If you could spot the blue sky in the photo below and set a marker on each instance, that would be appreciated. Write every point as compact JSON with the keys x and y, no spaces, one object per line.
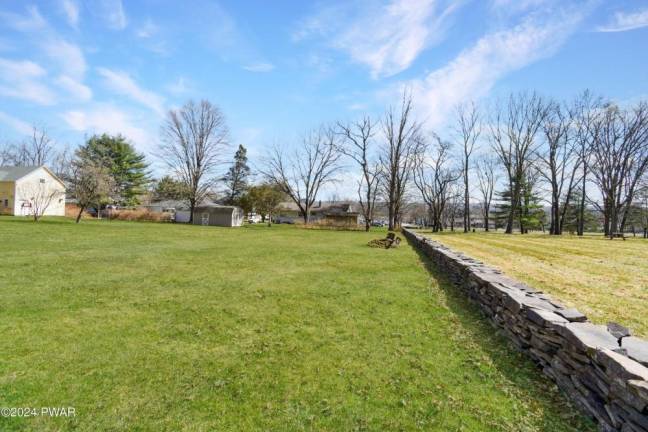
{"x":278,"y":68}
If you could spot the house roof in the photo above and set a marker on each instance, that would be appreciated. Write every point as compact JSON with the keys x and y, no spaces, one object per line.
{"x":14,"y":173}
{"x":323,"y":208}
{"x":176,"y":204}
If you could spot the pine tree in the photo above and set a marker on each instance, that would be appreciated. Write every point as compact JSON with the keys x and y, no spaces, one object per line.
{"x":168,"y":188}
{"x":236,"y":179}
{"x":529,"y":213}
{"x":126,"y":166}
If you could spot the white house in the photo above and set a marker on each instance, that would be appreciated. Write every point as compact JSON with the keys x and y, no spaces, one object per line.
{"x":25,"y":190}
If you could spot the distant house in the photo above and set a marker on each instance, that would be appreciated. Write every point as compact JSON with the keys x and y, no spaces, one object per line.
{"x":334,"y":213}
{"x":24,"y":189}
{"x":218,"y":215}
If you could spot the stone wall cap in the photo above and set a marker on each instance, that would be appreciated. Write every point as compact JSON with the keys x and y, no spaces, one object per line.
{"x":636,"y":348}
{"x":587,"y":336}
{"x":620,"y":365}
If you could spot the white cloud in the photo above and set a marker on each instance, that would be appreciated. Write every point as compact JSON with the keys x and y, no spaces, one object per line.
{"x":71,"y":11}
{"x":31,"y":22}
{"x":21,"y":79}
{"x":107,"y":119}
{"x":68,"y":55}
{"x":357,"y":107}
{"x":514,"y":6}
{"x":178,"y":87}
{"x":122,"y":83}
{"x":147,"y":30}
{"x":16,"y":124}
{"x":474,"y":72}
{"x":75,"y":88}
{"x":385,"y":38}
{"x":259,"y":67}
{"x":112,"y":11}
{"x":626,"y":21}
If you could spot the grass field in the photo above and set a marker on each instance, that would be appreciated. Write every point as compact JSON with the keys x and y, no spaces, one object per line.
{"x":605,"y":279}
{"x":143,"y":326}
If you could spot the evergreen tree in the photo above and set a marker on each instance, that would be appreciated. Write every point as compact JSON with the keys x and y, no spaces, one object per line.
{"x":236,"y":179}
{"x":126,"y":166}
{"x":168,"y":188}
{"x":529,"y":213}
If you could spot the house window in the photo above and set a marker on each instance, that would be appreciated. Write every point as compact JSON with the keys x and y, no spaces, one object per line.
{"x":6,"y":203}
{"x":42,"y":180}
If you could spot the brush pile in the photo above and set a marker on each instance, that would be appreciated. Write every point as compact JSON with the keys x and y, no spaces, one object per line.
{"x":391,"y":241}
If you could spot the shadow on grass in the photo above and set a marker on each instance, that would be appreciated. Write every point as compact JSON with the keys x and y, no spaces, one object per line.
{"x":513,"y":364}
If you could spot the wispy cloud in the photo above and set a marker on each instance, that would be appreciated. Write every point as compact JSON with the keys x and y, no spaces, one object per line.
{"x":147,"y":30}
{"x":22,"y":79}
{"x":68,"y":55}
{"x":474,"y":72}
{"x":32,"y":21}
{"x":112,"y":11}
{"x":107,"y":119}
{"x":624,"y":21}
{"x":386,"y":38}
{"x":71,"y":10}
{"x":15,"y":123}
{"x":122,"y":83}
{"x":74,"y":88}
{"x":259,"y":67}
{"x":178,"y":87}
{"x":66,"y":59}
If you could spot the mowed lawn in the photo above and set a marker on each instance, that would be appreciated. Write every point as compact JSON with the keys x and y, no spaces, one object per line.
{"x":157,"y":327}
{"x":605,"y":279}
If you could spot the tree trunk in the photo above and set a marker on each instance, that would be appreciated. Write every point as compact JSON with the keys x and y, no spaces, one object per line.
{"x":486,"y":219}
{"x":581,"y":207}
{"x":192,"y":207}
{"x":466,"y":200}
{"x":511,"y":215}
{"x":78,"y":218}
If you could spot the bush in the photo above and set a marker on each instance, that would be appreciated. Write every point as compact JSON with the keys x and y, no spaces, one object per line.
{"x":141,"y":215}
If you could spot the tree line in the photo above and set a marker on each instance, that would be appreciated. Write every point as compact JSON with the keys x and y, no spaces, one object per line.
{"x":513,"y":154}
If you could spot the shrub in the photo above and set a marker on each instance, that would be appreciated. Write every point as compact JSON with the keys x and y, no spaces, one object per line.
{"x":141,"y":215}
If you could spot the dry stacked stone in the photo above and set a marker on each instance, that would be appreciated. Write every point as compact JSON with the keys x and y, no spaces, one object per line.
{"x":602,"y":369}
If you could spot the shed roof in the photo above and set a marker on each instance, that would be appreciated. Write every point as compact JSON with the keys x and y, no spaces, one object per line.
{"x":216,"y":207}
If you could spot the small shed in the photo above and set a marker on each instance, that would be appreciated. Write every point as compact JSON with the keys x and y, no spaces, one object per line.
{"x":218,"y":215}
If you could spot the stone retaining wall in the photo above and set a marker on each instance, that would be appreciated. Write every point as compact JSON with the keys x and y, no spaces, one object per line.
{"x":602,"y":369}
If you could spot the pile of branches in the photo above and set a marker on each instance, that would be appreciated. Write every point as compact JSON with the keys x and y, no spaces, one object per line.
{"x":391,"y":241}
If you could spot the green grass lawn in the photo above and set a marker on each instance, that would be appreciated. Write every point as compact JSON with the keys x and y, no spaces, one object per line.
{"x":605,"y":279}
{"x":157,"y":327}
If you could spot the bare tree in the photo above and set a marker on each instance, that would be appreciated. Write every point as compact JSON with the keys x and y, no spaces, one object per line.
{"x":558,"y":160}
{"x":358,"y":140}
{"x":302,"y":174}
{"x":487,"y":178}
{"x":90,"y":183}
{"x":61,"y":164}
{"x":433,"y":178}
{"x":586,"y":109}
{"x":36,"y":150}
{"x":6,"y":155}
{"x":195,"y":137}
{"x":620,"y":155}
{"x":398,"y":156}
{"x":468,"y":130}
{"x":513,"y":138}
{"x":41,"y":196}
